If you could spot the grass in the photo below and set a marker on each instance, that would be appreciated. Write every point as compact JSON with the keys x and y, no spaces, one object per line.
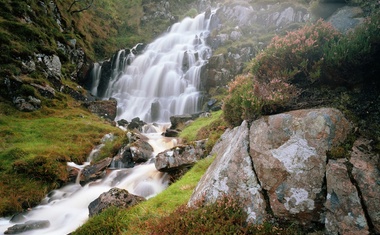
{"x":132,"y":220}
{"x":36,"y":146}
{"x":210,"y":128}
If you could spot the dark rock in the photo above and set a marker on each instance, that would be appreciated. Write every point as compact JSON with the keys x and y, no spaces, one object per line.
{"x":114,"y":197}
{"x":179,"y":119}
{"x":94,"y":172}
{"x":27,"y":226}
{"x":29,"y":104}
{"x":171,"y":133}
{"x":136,"y":123}
{"x":141,"y":151}
{"x":178,"y":157}
{"x":123,"y":159}
{"x":123,"y":123}
{"x":104,"y":108}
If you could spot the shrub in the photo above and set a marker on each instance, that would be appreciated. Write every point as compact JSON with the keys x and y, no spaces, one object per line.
{"x":279,"y":72}
{"x":225,"y":216}
{"x":241,"y":102}
{"x":353,"y":52}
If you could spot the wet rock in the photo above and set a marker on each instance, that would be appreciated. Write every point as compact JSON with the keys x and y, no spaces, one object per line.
{"x":28,"y":226}
{"x":367,"y":176}
{"x":179,"y":119}
{"x":136,"y":123}
{"x":114,"y":197}
{"x":231,"y":174}
{"x":177,"y":158}
{"x":141,"y":151}
{"x":104,"y":108}
{"x":123,"y":159}
{"x":171,"y":133}
{"x":289,"y":156}
{"x":94,"y":172}
{"x":344,"y":213}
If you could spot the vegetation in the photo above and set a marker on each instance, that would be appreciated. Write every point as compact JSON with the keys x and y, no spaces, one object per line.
{"x":36,"y":147}
{"x":315,"y":55}
{"x":210,"y":128}
{"x":132,"y":221}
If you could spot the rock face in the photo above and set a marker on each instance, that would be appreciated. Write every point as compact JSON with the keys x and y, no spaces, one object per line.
{"x":342,"y":202}
{"x":366,"y":174}
{"x":346,"y":18}
{"x":114,"y":197}
{"x":231,"y":173}
{"x":289,"y":155}
{"x":279,"y":167}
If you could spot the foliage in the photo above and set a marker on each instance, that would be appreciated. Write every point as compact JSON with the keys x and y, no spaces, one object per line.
{"x":241,"y":102}
{"x":36,"y":147}
{"x":353,"y":52}
{"x":225,"y":216}
{"x":133,"y":220}
{"x":296,"y":58}
{"x":210,"y":128}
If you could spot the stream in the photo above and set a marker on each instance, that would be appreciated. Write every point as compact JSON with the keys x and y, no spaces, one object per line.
{"x":161,"y":82}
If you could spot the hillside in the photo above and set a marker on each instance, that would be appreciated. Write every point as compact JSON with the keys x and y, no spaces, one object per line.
{"x":268,"y":57}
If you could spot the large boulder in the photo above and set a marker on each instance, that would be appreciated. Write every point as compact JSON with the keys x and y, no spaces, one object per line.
{"x":114,"y":197}
{"x":366,"y":174}
{"x":344,"y":214}
{"x":231,"y":174}
{"x":289,"y":156}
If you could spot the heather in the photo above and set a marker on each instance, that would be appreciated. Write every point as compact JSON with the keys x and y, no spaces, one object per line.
{"x":316,"y":56}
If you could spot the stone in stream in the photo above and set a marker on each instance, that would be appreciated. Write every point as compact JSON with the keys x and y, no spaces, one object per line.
{"x":114,"y":197}
{"x":27,"y":226}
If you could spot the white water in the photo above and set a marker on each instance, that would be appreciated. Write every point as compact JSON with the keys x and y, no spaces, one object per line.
{"x":164,"y":80}
{"x":165,"y":77}
{"x":67,"y":208}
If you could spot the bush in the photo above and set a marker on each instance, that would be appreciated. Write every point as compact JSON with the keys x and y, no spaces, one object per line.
{"x":353,"y":52}
{"x":225,"y":216}
{"x":241,"y":102}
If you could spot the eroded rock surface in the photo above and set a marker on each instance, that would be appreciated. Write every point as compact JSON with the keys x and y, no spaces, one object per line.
{"x":231,"y":174}
{"x":289,"y":156}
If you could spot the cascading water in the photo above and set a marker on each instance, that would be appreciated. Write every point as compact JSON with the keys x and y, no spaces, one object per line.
{"x":165,"y":79}
{"x":161,"y":82}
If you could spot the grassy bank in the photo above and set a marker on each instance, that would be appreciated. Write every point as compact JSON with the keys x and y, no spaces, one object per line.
{"x":36,"y":146}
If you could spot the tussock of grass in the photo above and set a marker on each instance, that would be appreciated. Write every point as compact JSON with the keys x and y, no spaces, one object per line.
{"x":132,"y":221}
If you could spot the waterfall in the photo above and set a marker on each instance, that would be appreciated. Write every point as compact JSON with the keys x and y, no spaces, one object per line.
{"x":164,"y":80}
